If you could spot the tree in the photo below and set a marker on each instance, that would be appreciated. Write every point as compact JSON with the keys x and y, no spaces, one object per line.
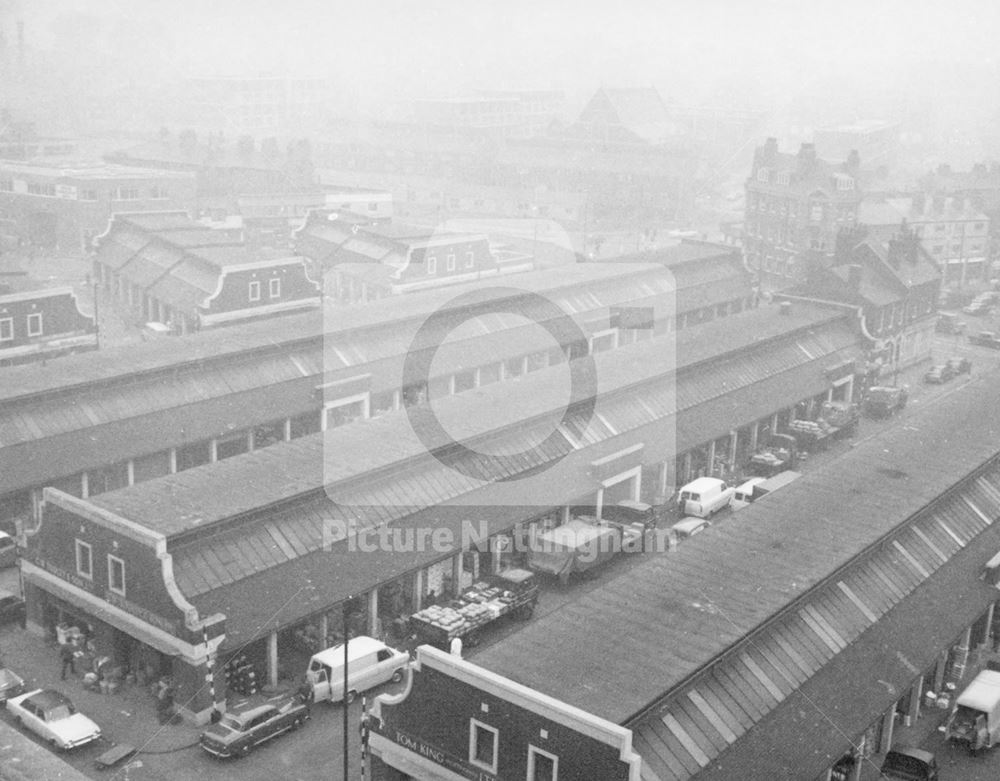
{"x":245,"y":147}
{"x":188,"y":140}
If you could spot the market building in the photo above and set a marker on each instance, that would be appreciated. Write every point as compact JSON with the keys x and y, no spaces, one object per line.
{"x":362,"y":260}
{"x":111,"y":419}
{"x":166,"y":268}
{"x":456,"y":721}
{"x":64,"y":204}
{"x":38,"y":323}
{"x":806,"y":628}
{"x":270,"y":539}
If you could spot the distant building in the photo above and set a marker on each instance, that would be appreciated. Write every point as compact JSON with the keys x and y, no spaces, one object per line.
{"x":980,"y":185}
{"x":38,"y":323}
{"x":796,"y":203}
{"x":457,"y":720}
{"x":62,"y":204}
{"x":876,"y":141}
{"x":624,"y":153}
{"x":951,"y":230}
{"x":365,"y":260}
{"x":169,"y":269}
{"x":893,"y":285}
{"x":264,"y":105}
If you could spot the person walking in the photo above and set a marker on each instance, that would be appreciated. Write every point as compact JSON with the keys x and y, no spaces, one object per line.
{"x":67,"y":652}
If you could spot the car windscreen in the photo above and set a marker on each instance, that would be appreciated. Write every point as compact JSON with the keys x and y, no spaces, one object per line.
{"x":59,"y":712}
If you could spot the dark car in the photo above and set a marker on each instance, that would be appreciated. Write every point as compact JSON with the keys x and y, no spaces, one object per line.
{"x":238,"y":733}
{"x":11,"y":609}
{"x":939,"y":374}
{"x":910,"y":764}
{"x":985,"y":339}
{"x":960,"y":365}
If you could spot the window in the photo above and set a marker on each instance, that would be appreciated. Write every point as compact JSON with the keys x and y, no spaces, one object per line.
{"x":482,"y":745}
{"x":470,"y":259}
{"x":451,"y":262}
{"x":6,"y":185}
{"x":372,"y":206}
{"x":432,"y":264}
{"x":116,"y":575}
{"x":816,"y":212}
{"x":762,"y":175}
{"x":48,"y":190}
{"x":88,"y":195}
{"x":274,"y":288}
{"x":6,"y":329}
{"x":254,"y":291}
{"x":784,"y":178}
{"x":126,"y":194}
{"x":84,"y":559}
{"x":979,"y":225}
{"x":158,"y":193}
{"x":35,"y":324}
{"x":845,"y":183}
{"x":542,"y":766}
{"x":341,"y":413}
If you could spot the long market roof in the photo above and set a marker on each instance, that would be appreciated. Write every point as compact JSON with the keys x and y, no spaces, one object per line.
{"x":675,"y":617}
{"x":761,"y":346}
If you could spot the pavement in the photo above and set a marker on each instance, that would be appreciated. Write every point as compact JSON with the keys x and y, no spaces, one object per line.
{"x":127,"y":716}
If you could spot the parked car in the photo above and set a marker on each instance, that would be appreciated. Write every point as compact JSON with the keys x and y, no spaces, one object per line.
{"x":960,"y":365}
{"x":688,"y":527}
{"x":978,"y":308}
{"x":882,"y":401}
{"x":370,"y":663}
{"x":910,"y":764}
{"x":939,"y":374}
{"x":12,"y":610}
{"x":11,"y":684}
{"x":51,"y":716}
{"x":239,"y":733}
{"x":985,"y":339}
{"x":949,"y":323}
{"x":8,"y":550}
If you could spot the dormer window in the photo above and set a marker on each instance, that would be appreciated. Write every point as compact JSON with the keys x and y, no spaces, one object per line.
{"x":845,"y":182}
{"x":784,"y":178}
{"x":763,"y":175}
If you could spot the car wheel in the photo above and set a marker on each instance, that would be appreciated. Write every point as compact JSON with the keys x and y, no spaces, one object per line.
{"x":244,"y":750}
{"x":297,"y":723}
{"x":397,"y":676}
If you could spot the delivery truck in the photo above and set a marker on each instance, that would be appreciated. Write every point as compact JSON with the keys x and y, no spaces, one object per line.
{"x":975,"y":718}
{"x":579,"y":545}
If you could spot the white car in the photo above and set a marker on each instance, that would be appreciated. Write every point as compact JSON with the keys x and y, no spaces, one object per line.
{"x":52,"y":716}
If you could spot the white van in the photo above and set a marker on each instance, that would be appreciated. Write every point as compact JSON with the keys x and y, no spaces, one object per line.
{"x":744,"y":493}
{"x":370,"y":662}
{"x":704,"y":497}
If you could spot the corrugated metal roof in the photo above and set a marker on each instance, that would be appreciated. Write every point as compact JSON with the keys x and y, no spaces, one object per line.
{"x":363,"y":446}
{"x":681,"y":611}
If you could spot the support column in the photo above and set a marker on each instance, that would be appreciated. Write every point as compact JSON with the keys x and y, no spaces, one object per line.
{"x":84,"y":485}
{"x":774,"y":423}
{"x":711,"y":457}
{"x":173,"y":460}
{"x":456,"y":575}
{"x":734,"y":437}
{"x":754,"y":433}
{"x":130,"y":470}
{"x":962,"y":654}
{"x":494,"y":556}
{"x":988,"y":639}
{"x":939,"y":671}
{"x":213,"y":450}
{"x":600,"y":501}
{"x":373,"y":621}
{"x":687,"y":468}
{"x":859,"y":755}
{"x":564,"y":515}
{"x":250,"y":440}
{"x":418,"y":590}
{"x":913,"y":712}
{"x":888,"y":721}
{"x":272,"y":659}
{"x":286,"y":432}
{"x":324,"y":630}
{"x":662,"y":480}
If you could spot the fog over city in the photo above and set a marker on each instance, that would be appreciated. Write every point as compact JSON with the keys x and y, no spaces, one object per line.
{"x":931,"y":65}
{"x":509,"y":390}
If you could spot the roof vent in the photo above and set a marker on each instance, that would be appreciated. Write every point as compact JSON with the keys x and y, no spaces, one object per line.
{"x":785,"y":307}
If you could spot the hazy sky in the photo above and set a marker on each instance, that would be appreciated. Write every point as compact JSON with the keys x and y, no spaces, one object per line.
{"x":690,"y":48}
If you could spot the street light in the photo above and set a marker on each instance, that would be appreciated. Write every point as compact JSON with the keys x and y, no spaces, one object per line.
{"x":349,"y":607}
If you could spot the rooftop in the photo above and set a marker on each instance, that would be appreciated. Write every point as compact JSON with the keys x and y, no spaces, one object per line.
{"x":86,"y":169}
{"x":673,"y":615}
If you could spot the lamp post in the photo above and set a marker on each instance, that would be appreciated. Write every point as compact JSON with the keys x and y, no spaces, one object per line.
{"x":346,"y":612}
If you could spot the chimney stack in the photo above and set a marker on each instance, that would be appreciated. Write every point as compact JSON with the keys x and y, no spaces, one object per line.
{"x":853,"y":162}
{"x":918,"y":204}
{"x":807,"y":158}
{"x":785,"y":308}
{"x":769,"y":150}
